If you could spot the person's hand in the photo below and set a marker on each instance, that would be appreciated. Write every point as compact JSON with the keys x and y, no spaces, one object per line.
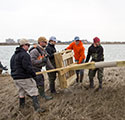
{"x":44,"y":59}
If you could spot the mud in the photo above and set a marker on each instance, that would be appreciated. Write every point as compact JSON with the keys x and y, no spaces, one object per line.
{"x":74,"y":103}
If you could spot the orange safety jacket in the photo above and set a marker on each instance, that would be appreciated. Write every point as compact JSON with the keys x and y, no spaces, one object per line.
{"x":79,"y":51}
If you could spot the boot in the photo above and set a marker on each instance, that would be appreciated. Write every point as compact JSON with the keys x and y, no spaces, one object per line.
{"x":81,"y":78}
{"x":91,"y":83}
{"x":21,"y":102}
{"x":77,"y":77}
{"x":42,"y":93}
{"x":52,"y":87}
{"x":36,"y":105}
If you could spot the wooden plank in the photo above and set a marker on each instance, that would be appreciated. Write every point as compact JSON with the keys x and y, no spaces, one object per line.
{"x":120,"y":63}
{"x":71,"y":80}
{"x":67,"y":56}
{"x":90,"y":65}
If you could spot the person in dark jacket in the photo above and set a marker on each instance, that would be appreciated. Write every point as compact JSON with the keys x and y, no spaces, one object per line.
{"x":22,"y":73}
{"x":96,"y":52}
{"x":51,"y":50}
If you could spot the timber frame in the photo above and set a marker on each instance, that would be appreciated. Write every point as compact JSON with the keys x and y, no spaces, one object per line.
{"x":63,"y":59}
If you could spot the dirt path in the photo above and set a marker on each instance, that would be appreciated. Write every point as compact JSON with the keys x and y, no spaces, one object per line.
{"x":74,"y":103}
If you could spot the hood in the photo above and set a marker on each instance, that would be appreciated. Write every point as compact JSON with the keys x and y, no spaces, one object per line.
{"x":19,"y":49}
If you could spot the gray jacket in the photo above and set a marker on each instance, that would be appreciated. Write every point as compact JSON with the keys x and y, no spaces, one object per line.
{"x":38,"y":64}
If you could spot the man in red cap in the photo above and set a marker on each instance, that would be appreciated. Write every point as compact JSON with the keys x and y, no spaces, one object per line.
{"x":96,"y":52}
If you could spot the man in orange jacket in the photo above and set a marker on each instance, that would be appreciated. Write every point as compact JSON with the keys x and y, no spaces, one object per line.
{"x":79,"y":54}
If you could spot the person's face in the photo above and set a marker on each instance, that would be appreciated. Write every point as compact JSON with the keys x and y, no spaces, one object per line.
{"x":77,"y":42}
{"x":26,"y":46}
{"x":53,"y":42}
{"x":43,"y":43}
{"x":96,"y":44}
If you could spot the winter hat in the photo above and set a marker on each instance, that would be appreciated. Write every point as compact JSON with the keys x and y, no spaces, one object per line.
{"x":76,"y":38}
{"x":53,"y":38}
{"x":96,"y":39}
{"x":23,"y":41}
{"x":42,"y":39}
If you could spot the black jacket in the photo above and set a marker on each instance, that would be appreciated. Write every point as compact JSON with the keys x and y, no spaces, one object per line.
{"x":51,"y":50}
{"x":96,"y":53}
{"x":20,"y":64}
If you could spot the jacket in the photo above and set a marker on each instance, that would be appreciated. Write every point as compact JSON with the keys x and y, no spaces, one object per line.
{"x":79,"y":51}
{"x":20,"y":64}
{"x":96,"y":53}
{"x":37,"y":61}
{"x":51,"y":50}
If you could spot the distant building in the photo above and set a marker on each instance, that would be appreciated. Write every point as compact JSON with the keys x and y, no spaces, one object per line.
{"x":9,"y":40}
{"x":30,"y":40}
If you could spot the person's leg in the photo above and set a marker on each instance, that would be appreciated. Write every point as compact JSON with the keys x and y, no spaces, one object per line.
{"x":100,"y":77}
{"x":40,"y":84}
{"x":91,"y":77}
{"x":52,"y":78}
{"x":77,"y":76}
{"x":32,"y":90}
{"x":81,"y":75}
{"x":21,"y":92}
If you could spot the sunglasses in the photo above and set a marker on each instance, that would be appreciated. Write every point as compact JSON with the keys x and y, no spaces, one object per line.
{"x":28,"y":45}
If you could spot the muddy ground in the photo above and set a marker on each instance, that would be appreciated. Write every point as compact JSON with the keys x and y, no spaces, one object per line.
{"x":74,"y":103}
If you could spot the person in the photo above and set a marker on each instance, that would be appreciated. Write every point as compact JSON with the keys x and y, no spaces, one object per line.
{"x":39,"y":58}
{"x":96,"y":52}
{"x":22,"y":73}
{"x":51,"y":50}
{"x":79,"y":54}
{"x":3,"y":67}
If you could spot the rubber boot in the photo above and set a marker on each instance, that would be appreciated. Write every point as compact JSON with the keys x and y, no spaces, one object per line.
{"x":52,"y":87}
{"x":91,"y":83}
{"x":36,"y":105}
{"x":77,"y":77}
{"x":21,"y":102}
{"x":81,"y":78}
{"x":42,"y":93}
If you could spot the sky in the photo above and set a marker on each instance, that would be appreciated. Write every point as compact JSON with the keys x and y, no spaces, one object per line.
{"x":63,"y":19}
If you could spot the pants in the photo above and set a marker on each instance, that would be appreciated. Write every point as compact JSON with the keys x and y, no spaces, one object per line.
{"x":92,"y":74}
{"x":81,"y":72}
{"x":26,"y":86}
{"x":39,"y":80}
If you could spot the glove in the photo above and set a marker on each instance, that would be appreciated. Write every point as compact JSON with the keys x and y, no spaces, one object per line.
{"x":44,"y":59}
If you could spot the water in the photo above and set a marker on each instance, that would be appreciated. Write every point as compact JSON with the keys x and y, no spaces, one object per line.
{"x":113,"y":52}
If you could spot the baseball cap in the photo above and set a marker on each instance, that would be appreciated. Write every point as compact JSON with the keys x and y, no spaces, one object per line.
{"x":42,"y":39}
{"x":24,"y":41}
{"x":76,"y":38}
{"x":53,"y":38}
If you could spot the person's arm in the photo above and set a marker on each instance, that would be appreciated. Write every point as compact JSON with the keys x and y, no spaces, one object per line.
{"x":26,"y":64}
{"x":34,"y":54}
{"x":70,"y":47}
{"x":50,"y":53}
{"x":100,"y":54}
{"x":49,"y":64}
{"x":88,"y":55}
{"x":82,"y":55}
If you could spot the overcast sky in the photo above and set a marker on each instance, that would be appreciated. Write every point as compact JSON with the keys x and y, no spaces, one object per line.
{"x":64,"y":19}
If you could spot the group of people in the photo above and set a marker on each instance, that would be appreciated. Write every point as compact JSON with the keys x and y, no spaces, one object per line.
{"x":26,"y":62}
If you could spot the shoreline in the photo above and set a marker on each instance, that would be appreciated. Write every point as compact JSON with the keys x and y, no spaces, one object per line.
{"x":103,"y":43}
